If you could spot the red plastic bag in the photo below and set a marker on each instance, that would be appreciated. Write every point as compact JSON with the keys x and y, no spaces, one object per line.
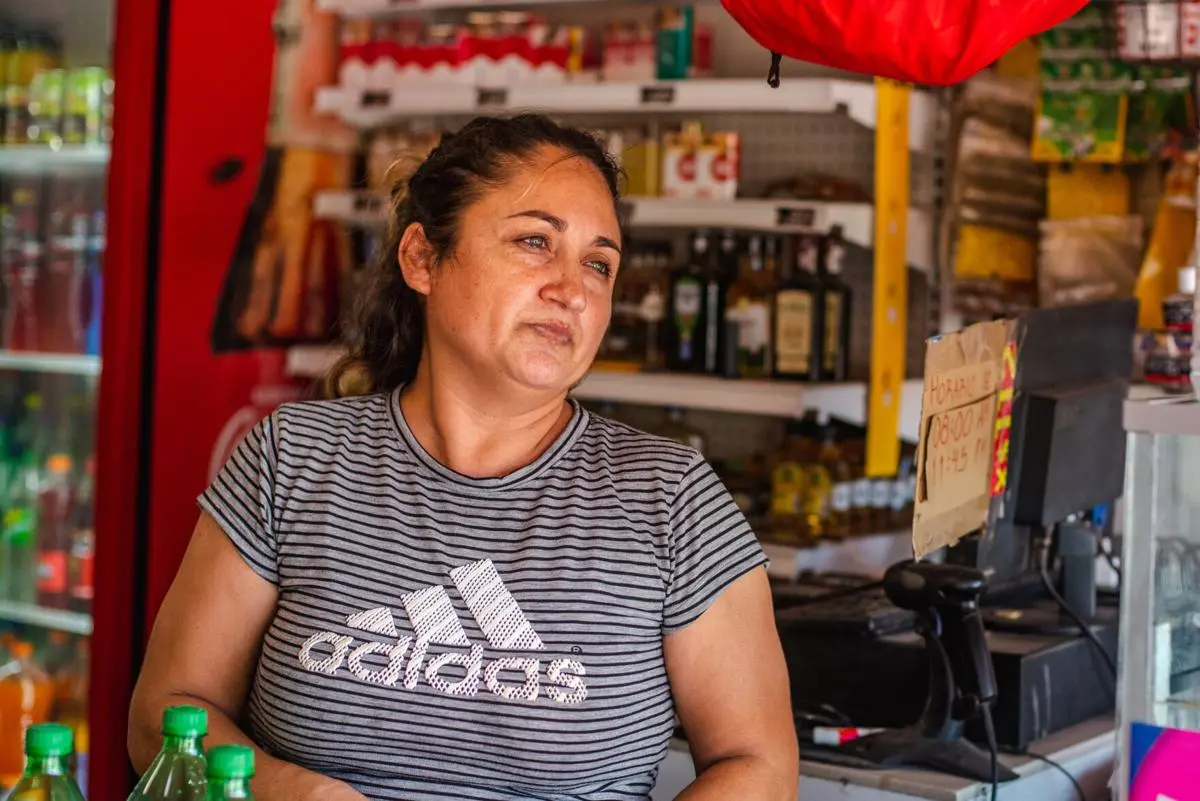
{"x":936,"y":42}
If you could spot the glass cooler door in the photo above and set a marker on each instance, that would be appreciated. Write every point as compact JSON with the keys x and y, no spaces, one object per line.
{"x":1159,"y":693}
{"x":55,"y":132}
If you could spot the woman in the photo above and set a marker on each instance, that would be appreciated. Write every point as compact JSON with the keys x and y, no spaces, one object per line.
{"x":464,"y":585}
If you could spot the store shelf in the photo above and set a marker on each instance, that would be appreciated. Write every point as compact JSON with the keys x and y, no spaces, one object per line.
{"x":385,"y":9}
{"x":781,"y":216}
{"x":55,"y":619}
{"x":67,"y":363}
{"x":1154,"y":414}
{"x":866,"y":554}
{"x":373,"y":107}
{"x":768,"y":398}
{"x":34,"y":158}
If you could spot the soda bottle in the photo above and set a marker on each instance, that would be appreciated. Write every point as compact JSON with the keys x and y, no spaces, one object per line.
{"x":26,"y":695}
{"x":179,"y":769}
{"x":83,"y":545}
{"x":47,"y":775}
{"x":17,"y":547}
{"x":55,"y":503}
{"x":230,"y":768}
{"x":70,"y":698}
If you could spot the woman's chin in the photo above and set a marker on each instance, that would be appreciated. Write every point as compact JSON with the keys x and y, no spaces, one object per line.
{"x":546,"y":373}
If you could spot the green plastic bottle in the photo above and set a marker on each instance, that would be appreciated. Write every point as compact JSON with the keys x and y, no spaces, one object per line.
{"x":47,"y":777}
{"x":177,"y":773}
{"x":230,"y":768}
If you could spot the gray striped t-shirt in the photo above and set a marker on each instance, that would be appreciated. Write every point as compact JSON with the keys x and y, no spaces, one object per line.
{"x":445,"y":637}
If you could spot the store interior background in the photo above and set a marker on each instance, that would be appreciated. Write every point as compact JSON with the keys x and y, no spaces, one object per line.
{"x":183,"y":201}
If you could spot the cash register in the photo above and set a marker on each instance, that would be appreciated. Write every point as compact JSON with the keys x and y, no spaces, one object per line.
{"x":904,"y":654}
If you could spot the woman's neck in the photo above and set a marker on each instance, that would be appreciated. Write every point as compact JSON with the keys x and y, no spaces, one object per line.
{"x":462,"y":431}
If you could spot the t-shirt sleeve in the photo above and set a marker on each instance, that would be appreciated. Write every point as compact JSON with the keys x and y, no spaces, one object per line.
{"x":711,"y":546}
{"x":242,"y":499}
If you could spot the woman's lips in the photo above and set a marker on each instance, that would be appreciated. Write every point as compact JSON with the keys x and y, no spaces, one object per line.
{"x":557,"y":333}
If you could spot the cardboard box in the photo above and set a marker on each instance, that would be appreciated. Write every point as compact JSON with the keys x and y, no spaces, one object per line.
{"x":962,"y":452}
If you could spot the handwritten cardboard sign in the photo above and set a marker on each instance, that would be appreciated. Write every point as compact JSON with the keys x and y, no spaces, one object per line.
{"x":964,"y":373}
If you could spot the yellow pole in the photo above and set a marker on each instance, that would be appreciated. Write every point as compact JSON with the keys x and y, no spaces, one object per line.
{"x":889,"y":319}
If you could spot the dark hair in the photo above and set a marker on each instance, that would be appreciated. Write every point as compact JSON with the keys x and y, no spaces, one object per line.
{"x":387,"y":328}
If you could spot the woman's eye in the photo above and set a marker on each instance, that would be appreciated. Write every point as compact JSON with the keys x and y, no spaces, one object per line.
{"x":536,"y":242}
{"x":601,"y":267}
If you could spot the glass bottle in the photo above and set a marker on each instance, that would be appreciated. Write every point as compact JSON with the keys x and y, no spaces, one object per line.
{"x":686,"y":351}
{"x":748,"y":305}
{"x":177,"y":773}
{"x":230,"y":768}
{"x":796,"y":317}
{"x":787,"y":485}
{"x":835,"y":312}
{"x":47,"y":776}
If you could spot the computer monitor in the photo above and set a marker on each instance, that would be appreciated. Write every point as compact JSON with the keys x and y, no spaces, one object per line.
{"x":1067,"y":442}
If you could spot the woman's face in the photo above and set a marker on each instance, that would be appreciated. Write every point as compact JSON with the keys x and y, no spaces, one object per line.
{"x":526,"y":295}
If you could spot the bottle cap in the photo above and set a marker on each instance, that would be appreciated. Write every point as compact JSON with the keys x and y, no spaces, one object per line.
{"x":1187,"y":280}
{"x":185,"y":721}
{"x":230,"y":762}
{"x":21,"y":650}
{"x":49,"y":739}
{"x":59,"y":463}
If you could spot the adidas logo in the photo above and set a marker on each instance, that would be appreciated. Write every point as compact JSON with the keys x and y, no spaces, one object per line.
{"x":434,"y":622}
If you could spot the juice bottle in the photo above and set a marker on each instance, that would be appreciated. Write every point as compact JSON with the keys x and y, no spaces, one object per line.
{"x":26,"y":696}
{"x":47,"y":775}
{"x":55,"y":504}
{"x":70,"y":701}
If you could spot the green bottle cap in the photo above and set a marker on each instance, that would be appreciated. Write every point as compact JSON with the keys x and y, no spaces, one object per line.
{"x":230,"y":762}
{"x":185,"y":721}
{"x":49,"y":739}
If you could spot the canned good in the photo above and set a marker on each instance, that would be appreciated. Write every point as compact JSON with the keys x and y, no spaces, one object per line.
{"x":87,"y":102}
{"x":46,"y":107}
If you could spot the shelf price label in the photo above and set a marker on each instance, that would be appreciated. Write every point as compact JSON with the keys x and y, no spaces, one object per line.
{"x":658,"y":95}
{"x":796,"y":217}
{"x":491,"y":99}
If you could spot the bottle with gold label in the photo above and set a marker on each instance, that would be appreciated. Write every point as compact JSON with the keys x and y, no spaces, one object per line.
{"x":796,"y":316}
{"x":820,"y":474}
{"x":835,"y":311}
{"x":788,"y":484}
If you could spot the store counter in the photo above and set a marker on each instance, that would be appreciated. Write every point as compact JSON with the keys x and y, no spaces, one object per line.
{"x":1086,"y":751}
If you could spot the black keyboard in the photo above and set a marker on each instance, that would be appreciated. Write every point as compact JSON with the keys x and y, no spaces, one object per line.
{"x":865,"y":613}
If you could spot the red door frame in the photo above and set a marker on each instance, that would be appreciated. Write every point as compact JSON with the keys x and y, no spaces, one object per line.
{"x":121,"y":441}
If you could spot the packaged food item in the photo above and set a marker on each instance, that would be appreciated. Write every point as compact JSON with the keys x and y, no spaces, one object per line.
{"x":1177,"y":308}
{"x":628,"y":52}
{"x":46,"y":107}
{"x":87,"y":107}
{"x":673,"y":56}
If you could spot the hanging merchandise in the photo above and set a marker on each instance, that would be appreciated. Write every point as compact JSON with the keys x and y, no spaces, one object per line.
{"x":1171,"y":241}
{"x":1088,"y":259}
{"x":908,"y":40}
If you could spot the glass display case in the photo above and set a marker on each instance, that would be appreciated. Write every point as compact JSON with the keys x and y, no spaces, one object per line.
{"x":1159,"y":688}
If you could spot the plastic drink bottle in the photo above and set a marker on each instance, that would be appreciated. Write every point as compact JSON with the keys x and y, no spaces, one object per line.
{"x":177,"y":773}
{"x":47,"y":776}
{"x":230,"y":768}
{"x":26,"y":695}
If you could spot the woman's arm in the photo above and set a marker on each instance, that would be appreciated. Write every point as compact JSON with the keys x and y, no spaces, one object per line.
{"x":731,"y":691}
{"x":203,"y":652}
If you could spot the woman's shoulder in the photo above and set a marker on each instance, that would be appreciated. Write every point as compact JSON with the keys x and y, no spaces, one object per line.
{"x":626,"y":448}
{"x":362,"y":413}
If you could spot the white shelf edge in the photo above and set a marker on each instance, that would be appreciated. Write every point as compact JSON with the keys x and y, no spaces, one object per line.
{"x":29,"y":158}
{"x":856,"y":219}
{"x":1150,"y":412}
{"x":55,"y":619}
{"x":794,"y":95}
{"x":868,"y":554}
{"x":65,"y":363}
{"x":739,"y":396}
{"x":386,"y":9}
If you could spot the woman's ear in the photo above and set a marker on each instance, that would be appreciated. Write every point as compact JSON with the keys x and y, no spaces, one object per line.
{"x":416,"y":257}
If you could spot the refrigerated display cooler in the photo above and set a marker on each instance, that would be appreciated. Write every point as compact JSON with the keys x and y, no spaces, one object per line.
{"x":132,"y":137}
